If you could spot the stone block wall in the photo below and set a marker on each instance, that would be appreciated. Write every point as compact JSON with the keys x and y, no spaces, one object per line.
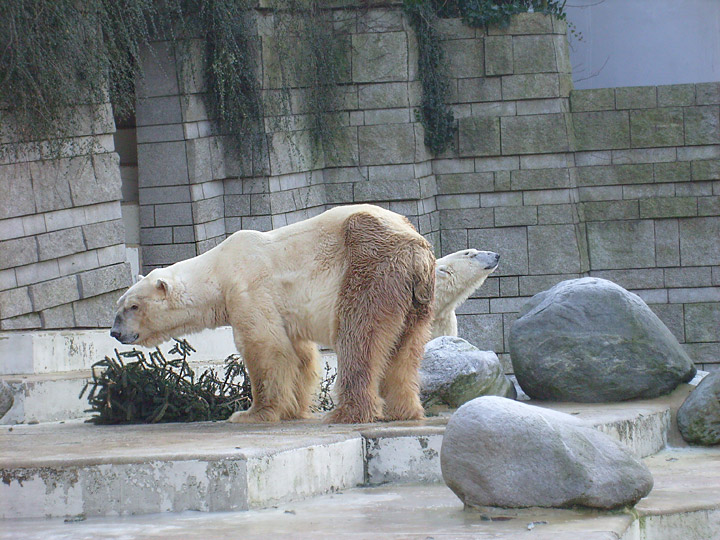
{"x":62,"y":240}
{"x":648,"y":175}
{"x":620,"y":183}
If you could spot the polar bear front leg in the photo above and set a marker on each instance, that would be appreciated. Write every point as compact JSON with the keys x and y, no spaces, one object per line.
{"x":273,"y":367}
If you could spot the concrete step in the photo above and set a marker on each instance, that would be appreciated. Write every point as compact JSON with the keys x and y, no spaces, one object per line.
{"x":684,"y":505}
{"x":59,"y":470}
{"x":52,"y":397}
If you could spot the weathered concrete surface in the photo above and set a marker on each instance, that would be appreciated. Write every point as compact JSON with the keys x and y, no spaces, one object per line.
{"x":56,"y":460}
{"x":430,"y":510}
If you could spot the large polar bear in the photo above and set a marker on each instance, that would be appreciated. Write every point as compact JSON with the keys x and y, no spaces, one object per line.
{"x":358,"y":278}
{"x":456,"y":277}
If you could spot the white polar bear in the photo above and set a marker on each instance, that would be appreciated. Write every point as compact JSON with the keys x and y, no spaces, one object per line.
{"x":358,"y":278}
{"x":457,"y":276}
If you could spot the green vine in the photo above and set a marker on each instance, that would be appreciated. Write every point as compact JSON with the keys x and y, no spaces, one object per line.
{"x":435,"y":115}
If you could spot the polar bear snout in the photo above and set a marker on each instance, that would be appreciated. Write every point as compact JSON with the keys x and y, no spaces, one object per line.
{"x":488,"y":259}
{"x":119,"y":332}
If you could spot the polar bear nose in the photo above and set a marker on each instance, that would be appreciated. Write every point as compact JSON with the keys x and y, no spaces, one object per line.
{"x":115,"y":334}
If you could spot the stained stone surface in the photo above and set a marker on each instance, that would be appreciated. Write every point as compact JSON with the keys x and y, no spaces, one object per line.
{"x":590,"y":340}
{"x":698,"y":418}
{"x":454,"y":371}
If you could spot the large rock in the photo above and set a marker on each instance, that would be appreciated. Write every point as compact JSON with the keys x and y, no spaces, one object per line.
{"x":454,"y":371}
{"x":499,"y":452}
{"x":7,"y":398}
{"x":698,"y":418}
{"x":590,"y":340}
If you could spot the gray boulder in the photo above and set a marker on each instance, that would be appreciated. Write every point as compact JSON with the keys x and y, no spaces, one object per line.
{"x":7,"y":398}
{"x":590,"y":340}
{"x":499,"y":452}
{"x":454,"y":371}
{"x":698,"y":418}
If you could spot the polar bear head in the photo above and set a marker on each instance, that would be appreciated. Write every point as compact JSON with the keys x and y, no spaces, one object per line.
{"x":152,"y":310}
{"x":458,"y":275}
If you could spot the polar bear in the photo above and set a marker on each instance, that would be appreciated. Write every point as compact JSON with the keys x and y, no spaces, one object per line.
{"x":358,"y":278}
{"x":456,"y":277}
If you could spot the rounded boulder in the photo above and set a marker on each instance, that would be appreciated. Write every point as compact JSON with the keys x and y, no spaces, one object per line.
{"x":500,"y":452}
{"x":454,"y":371}
{"x":698,"y":418}
{"x":590,"y":340}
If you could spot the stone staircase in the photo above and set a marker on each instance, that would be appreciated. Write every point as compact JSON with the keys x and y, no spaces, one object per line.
{"x":307,"y":479}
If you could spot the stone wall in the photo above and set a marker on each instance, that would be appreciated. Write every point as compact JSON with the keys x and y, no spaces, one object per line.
{"x":620,"y":183}
{"x":62,"y":241}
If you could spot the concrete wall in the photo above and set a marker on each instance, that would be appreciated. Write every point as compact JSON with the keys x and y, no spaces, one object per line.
{"x":641,"y":42}
{"x":62,"y":240}
{"x":621,"y":183}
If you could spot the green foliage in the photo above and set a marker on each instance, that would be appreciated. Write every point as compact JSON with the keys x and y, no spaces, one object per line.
{"x":484,"y":13}
{"x":56,"y":55}
{"x":154,"y":389}
{"x":133,"y":389}
{"x":435,"y":115}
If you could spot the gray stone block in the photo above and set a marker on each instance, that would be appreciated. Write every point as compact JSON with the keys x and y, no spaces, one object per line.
{"x":162,"y":133}
{"x":239,"y":205}
{"x":688,"y":277}
{"x":465,"y":183}
{"x":621,"y":244}
{"x":700,"y":241}
{"x":610,"y":210}
{"x":644,"y":155}
{"x":501,"y":199}
{"x":158,"y":111}
{"x":672,"y":316}
{"x":645,"y":278}
{"x":162,"y":164}
{"x":37,"y":272}
{"x":386,"y":144}
{"x":479,"y":90}
{"x":206,"y":210}
{"x":96,"y":312}
{"x":656,"y":127}
{"x":58,"y":317}
{"x":60,"y":243}
{"x":483,"y":331}
{"x":102,"y":280}
{"x":672,"y":172}
{"x":668,"y":207}
{"x":600,"y":193}
{"x":50,"y":184}
{"x":457,"y":201}
{"x":14,"y":302}
{"x":553,"y":249}
{"x":636,"y":97}
{"x":183,"y":234}
{"x":702,"y":322}
{"x":706,"y":170}
{"x":164,"y":195}
{"x":547,"y":196}
{"x":531,"y":86}
{"x":18,"y":252}
{"x":173,"y":214}
{"x":379,"y":57}
{"x":479,"y":136}
{"x":555,"y":214}
{"x":465,"y":58}
{"x":387,"y":116}
{"x":498,"y":55}
{"x":676,"y":95}
{"x":540,"y":178}
{"x":468,"y":218}
{"x":534,"y":134}
{"x":515,"y":215}
{"x":708,"y":93}
{"x":606,"y":130}
{"x":534,"y":54}
{"x":702,"y":125}
{"x":509,"y":286}
{"x":7,"y":279}
{"x":156,"y":236}
{"x":17,"y":187}
{"x":667,"y":242}
{"x":163,"y":255}
{"x":542,"y":106}
{"x":525,"y":23}
{"x":709,"y":206}
{"x":452,"y":240}
{"x":199,"y":160}
{"x":694,"y":189}
{"x":510,"y":242}
{"x":383,"y":96}
{"x":54,"y":293}
{"x":600,"y":99}
{"x":159,"y":77}
{"x":615,"y":174}
{"x":23,"y":322}
{"x":106,"y":233}
{"x":387,"y":190}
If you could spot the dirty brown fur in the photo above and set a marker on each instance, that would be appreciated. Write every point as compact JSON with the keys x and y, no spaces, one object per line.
{"x":384,"y":318}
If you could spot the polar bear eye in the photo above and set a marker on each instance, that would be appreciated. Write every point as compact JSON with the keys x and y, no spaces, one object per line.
{"x":134,"y":307}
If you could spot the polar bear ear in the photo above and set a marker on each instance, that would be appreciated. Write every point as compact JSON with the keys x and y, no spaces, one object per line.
{"x":163,"y":285}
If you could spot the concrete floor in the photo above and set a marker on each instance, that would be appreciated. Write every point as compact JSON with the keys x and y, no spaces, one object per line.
{"x":684,"y":505}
